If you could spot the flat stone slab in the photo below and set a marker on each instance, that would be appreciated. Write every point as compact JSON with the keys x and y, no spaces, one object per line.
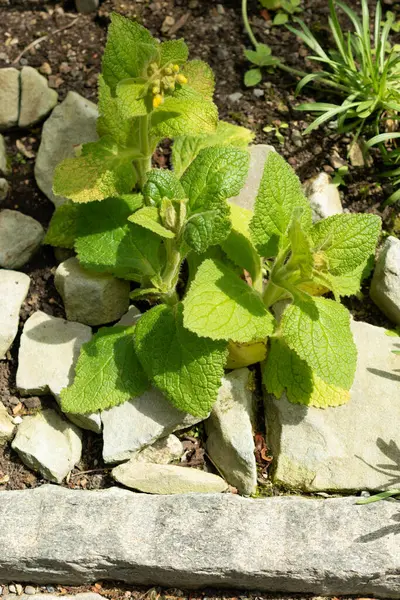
{"x":286,"y":544}
{"x":349,"y":447}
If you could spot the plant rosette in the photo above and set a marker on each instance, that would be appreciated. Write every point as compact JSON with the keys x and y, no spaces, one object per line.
{"x":210,"y":270}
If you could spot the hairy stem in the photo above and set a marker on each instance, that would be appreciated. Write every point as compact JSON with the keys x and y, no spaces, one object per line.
{"x":143,"y":165}
{"x":171,"y":271}
{"x":272,"y":294}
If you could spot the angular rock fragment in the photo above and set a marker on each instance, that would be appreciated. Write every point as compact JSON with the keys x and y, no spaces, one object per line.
{"x":229,"y":429}
{"x":90,"y":298}
{"x":73,"y":122}
{"x":7,"y":426}
{"x":20,"y":238}
{"x":167,"y":479}
{"x":49,"y":444}
{"x":9,"y":97}
{"x":385,"y":285}
{"x":14,"y":287}
{"x":37,"y":99}
{"x":323,"y":196}
{"x":131,"y":426}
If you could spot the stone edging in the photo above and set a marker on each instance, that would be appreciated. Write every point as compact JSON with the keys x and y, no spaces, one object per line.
{"x":286,"y":544}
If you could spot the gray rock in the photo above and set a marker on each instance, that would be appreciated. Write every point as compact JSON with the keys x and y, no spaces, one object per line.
{"x":30,"y":590}
{"x":3,"y":156}
{"x":14,"y":287}
{"x":167,"y":479}
{"x":281,"y":544}
{"x":356,"y":155}
{"x":49,"y":444}
{"x":89,"y":297}
{"x":248,"y":193}
{"x":71,"y":123}
{"x":37,"y":99}
{"x":385,"y":285}
{"x":131,"y":426}
{"x":86,"y":6}
{"x":162,"y":452}
{"x":229,"y":428}
{"x":130,"y":317}
{"x":4,"y":187}
{"x":7,"y":426}
{"x":48,"y":353}
{"x":235,"y":97}
{"x":20,"y":238}
{"x":9,"y":97}
{"x":349,"y":447}
{"x":323,"y":196}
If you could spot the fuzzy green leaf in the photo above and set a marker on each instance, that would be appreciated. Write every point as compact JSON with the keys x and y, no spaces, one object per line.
{"x":107,"y":242}
{"x":107,"y":373}
{"x":318,"y":330}
{"x":283,"y":370}
{"x":173,"y":51}
{"x":132,"y":98}
{"x":200,"y":78}
{"x":186,"y":368}
{"x":186,"y":147}
{"x":102,"y":170}
{"x":238,"y":245}
{"x":179,"y":115}
{"x":279,"y":194}
{"x":215,"y":173}
{"x":111,"y":121}
{"x":62,"y":227}
{"x":162,"y":183}
{"x":221,"y":306}
{"x":148,"y":218}
{"x":130,"y":47}
{"x":209,"y":226}
{"x":346,"y":241}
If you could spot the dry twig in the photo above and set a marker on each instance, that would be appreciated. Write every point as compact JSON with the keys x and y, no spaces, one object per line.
{"x":41,"y":39}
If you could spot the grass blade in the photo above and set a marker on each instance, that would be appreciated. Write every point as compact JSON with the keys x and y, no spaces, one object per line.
{"x":380,"y":496}
{"x":382,"y":137}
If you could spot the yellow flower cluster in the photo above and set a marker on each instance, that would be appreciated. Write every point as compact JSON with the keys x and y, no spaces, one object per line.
{"x":163,"y":81}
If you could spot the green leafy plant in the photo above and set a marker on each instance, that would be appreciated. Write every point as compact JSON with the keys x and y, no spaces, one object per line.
{"x":196,"y":257}
{"x":284,"y":8}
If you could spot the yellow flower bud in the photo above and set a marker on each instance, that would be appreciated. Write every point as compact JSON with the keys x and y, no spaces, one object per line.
{"x":156,"y":89}
{"x":181,"y":78}
{"x":157,"y":100}
{"x":168,"y":71}
{"x":175,"y":68}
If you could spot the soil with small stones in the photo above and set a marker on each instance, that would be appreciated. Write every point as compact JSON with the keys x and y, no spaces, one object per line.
{"x":70,"y":54}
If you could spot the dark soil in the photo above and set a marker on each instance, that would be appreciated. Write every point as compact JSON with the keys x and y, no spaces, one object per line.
{"x":214,"y":33}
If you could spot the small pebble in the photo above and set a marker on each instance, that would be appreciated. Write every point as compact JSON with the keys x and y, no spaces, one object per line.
{"x":30,"y":590}
{"x":258,"y":93}
{"x":19,"y":588}
{"x":12,"y":589}
{"x":17,"y":420}
{"x":45,"y":69}
{"x":50,"y":589}
{"x":235,"y":97}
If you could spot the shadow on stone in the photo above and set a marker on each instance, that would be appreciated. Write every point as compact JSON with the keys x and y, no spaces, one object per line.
{"x":382,"y":532}
{"x":392,"y":451}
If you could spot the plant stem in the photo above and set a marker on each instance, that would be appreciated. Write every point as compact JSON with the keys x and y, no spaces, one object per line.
{"x":171,"y":271}
{"x":143,"y":165}
{"x":247,"y":24}
{"x":272,"y":294}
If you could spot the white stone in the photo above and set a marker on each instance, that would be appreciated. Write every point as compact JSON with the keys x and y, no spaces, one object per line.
{"x":7,"y":426}
{"x":37,"y":99}
{"x":49,"y":444}
{"x":73,"y":122}
{"x":86,"y":6}
{"x":162,"y":452}
{"x":356,"y":155}
{"x":20,"y":238}
{"x":131,"y":317}
{"x":89,"y":297}
{"x":324,"y":197}
{"x":48,"y":353}
{"x":4,"y":187}
{"x":139,"y":422}
{"x":385,"y":285}
{"x":167,"y":479}
{"x":330,"y":547}
{"x":9,"y":97}
{"x":349,"y":447}
{"x":248,"y":193}
{"x":229,"y":429}
{"x":14,"y":287}
{"x":3,"y":156}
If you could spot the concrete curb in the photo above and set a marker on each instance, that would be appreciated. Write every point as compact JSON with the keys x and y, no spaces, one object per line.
{"x":287,"y":544}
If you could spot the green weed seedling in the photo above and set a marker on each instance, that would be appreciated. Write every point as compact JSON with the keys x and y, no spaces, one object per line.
{"x":197,"y":258}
